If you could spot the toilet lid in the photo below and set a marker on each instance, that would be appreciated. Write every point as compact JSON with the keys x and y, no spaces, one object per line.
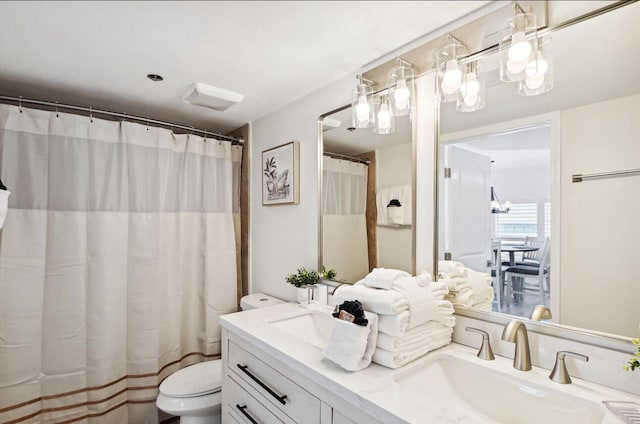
{"x":194,"y":380}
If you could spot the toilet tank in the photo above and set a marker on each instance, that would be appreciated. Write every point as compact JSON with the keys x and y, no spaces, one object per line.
{"x":258,"y":300}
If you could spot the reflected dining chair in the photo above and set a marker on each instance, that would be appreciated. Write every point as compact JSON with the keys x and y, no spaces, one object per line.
{"x":540,"y":272}
{"x":497,"y":274}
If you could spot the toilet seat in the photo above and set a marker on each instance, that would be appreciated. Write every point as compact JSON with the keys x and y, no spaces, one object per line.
{"x":195,"y":380}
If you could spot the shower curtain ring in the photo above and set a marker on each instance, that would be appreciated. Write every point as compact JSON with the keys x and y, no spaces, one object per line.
{"x":57,"y":115}
{"x":20,"y":103}
{"x":205,"y":136}
{"x":147,"y":124}
{"x":90,"y":114}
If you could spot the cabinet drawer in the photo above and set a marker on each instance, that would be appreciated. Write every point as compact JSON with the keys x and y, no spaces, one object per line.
{"x":244,"y":408}
{"x":277,"y":389}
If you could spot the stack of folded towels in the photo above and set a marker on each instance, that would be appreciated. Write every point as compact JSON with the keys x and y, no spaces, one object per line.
{"x":466,"y":286}
{"x":413,"y":316}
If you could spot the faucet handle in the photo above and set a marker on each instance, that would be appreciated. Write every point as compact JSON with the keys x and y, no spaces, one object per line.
{"x":485,"y":351}
{"x":559,"y":374}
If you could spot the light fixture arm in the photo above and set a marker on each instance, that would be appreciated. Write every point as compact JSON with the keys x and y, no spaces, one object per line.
{"x":453,"y":39}
{"x":519,"y":10}
{"x":363,"y":80}
{"x":404,"y":62}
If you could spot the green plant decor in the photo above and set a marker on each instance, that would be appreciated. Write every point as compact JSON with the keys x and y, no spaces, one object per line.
{"x":634,"y":361}
{"x":303,"y":278}
{"x":328,"y":274}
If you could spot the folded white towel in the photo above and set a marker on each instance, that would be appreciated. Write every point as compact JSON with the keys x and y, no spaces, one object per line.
{"x":413,"y":339}
{"x":385,"y":302}
{"x":394,"y":215}
{"x":422,"y":295}
{"x":461,"y":298}
{"x":454,"y":283}
{"x":383,"y":278}
{"x":351,"y":346}
{"x":396,"y":325}
{"x":4,"y":205}
{"x":399,"y":358}
{"x":484,"y":306}
{"x":480,"y":283}
{"x":453,"y":268}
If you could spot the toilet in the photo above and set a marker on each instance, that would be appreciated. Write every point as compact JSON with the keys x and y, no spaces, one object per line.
{"x":194,"y":393}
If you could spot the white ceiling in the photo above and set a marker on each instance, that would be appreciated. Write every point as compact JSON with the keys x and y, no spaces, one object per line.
{"x":98,"y":53}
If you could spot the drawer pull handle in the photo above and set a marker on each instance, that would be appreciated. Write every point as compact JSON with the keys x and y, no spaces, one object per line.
{"x":245,"y":370}
{"x":245,"y":413}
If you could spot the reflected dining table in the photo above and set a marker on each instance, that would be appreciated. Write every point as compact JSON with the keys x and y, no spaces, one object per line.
{"x":515,"y":248}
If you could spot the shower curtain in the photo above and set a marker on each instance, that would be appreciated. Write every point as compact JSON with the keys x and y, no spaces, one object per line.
{"x":344,"y":223}
{"x":117,"y":257}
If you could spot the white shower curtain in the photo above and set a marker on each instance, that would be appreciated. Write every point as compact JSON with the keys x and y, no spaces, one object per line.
{"x":344,"y":223}
{"x":117,"y":257}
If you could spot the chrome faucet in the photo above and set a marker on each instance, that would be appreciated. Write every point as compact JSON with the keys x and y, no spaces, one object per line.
{"x":540,"y":312}
{"x":516,"y":332}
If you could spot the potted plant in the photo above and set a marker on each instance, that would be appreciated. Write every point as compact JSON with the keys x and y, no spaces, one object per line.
{"x":634,"y":361}
{"x":328,"y":274}
{"x":304,"y":281}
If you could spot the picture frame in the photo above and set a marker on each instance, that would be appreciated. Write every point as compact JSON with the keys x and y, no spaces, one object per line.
{"x":281,"y":175}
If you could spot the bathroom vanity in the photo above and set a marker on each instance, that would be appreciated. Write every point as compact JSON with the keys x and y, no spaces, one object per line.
{"x":274,"y":372}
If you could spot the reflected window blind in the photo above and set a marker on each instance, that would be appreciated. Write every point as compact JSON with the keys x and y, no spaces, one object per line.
{"x":547,"y":219}
{"x":520,"y":221}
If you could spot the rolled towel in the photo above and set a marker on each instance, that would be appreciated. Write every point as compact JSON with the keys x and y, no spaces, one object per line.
{"x":422,"y":295}
{"x":413,"y":339}
{"x":385,"y":302}
{"x":352,"y":346}
{"x":395,"y":325}
{"x":382,"y":278}
{"x":402,"y":357}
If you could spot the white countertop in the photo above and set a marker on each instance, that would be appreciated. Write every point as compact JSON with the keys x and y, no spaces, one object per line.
{"x":374,"y":389}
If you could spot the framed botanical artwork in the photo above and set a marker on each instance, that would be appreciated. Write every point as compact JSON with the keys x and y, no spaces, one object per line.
{"x":281,"y":175}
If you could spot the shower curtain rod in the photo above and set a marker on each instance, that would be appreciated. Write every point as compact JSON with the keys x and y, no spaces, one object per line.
{"x":351,"y":158}
{"x":91,"y":111}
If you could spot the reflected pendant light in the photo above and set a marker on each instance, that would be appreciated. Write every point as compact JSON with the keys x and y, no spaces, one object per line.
{"x":517,"y":40}
{"x":539,"y":71}
{"x":385,"y":121}
{"x":449,"y":68}
{"x":471,"y":91}
{"x":362,"y":110}
{"x":400,"y":82}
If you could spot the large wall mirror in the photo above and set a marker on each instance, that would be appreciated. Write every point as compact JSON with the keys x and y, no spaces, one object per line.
{"x":366,"y":197}
{"x":547,"y":237}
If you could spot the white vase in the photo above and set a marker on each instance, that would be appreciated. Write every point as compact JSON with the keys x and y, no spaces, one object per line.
{"x":304,"y":294}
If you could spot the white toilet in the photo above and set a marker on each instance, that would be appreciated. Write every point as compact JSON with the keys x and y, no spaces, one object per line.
{"x":194,"y":392}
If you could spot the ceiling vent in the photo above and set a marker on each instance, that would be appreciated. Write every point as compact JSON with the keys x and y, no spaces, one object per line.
{"x":212,"y":97}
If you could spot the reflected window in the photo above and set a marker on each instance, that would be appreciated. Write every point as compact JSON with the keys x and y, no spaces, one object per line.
{"x":520,"y":222}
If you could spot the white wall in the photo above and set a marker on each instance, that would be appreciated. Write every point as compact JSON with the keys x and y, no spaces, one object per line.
{"x":394,"y":244}
{"x":284,"y":238}
{"x":525,"y":184}
{"x":600,"y":230}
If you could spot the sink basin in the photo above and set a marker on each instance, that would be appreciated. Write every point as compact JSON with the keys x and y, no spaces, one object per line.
{"x":313,"y":327}
{"x":490,"y":395}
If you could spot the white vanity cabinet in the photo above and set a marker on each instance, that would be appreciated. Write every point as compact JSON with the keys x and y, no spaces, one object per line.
{"x":260,"y":388}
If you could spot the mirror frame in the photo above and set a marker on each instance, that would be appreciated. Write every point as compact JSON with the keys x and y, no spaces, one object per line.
{"x":606,"y":340}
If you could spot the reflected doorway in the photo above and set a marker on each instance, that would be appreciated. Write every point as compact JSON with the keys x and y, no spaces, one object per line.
{"x":496,"y":212}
